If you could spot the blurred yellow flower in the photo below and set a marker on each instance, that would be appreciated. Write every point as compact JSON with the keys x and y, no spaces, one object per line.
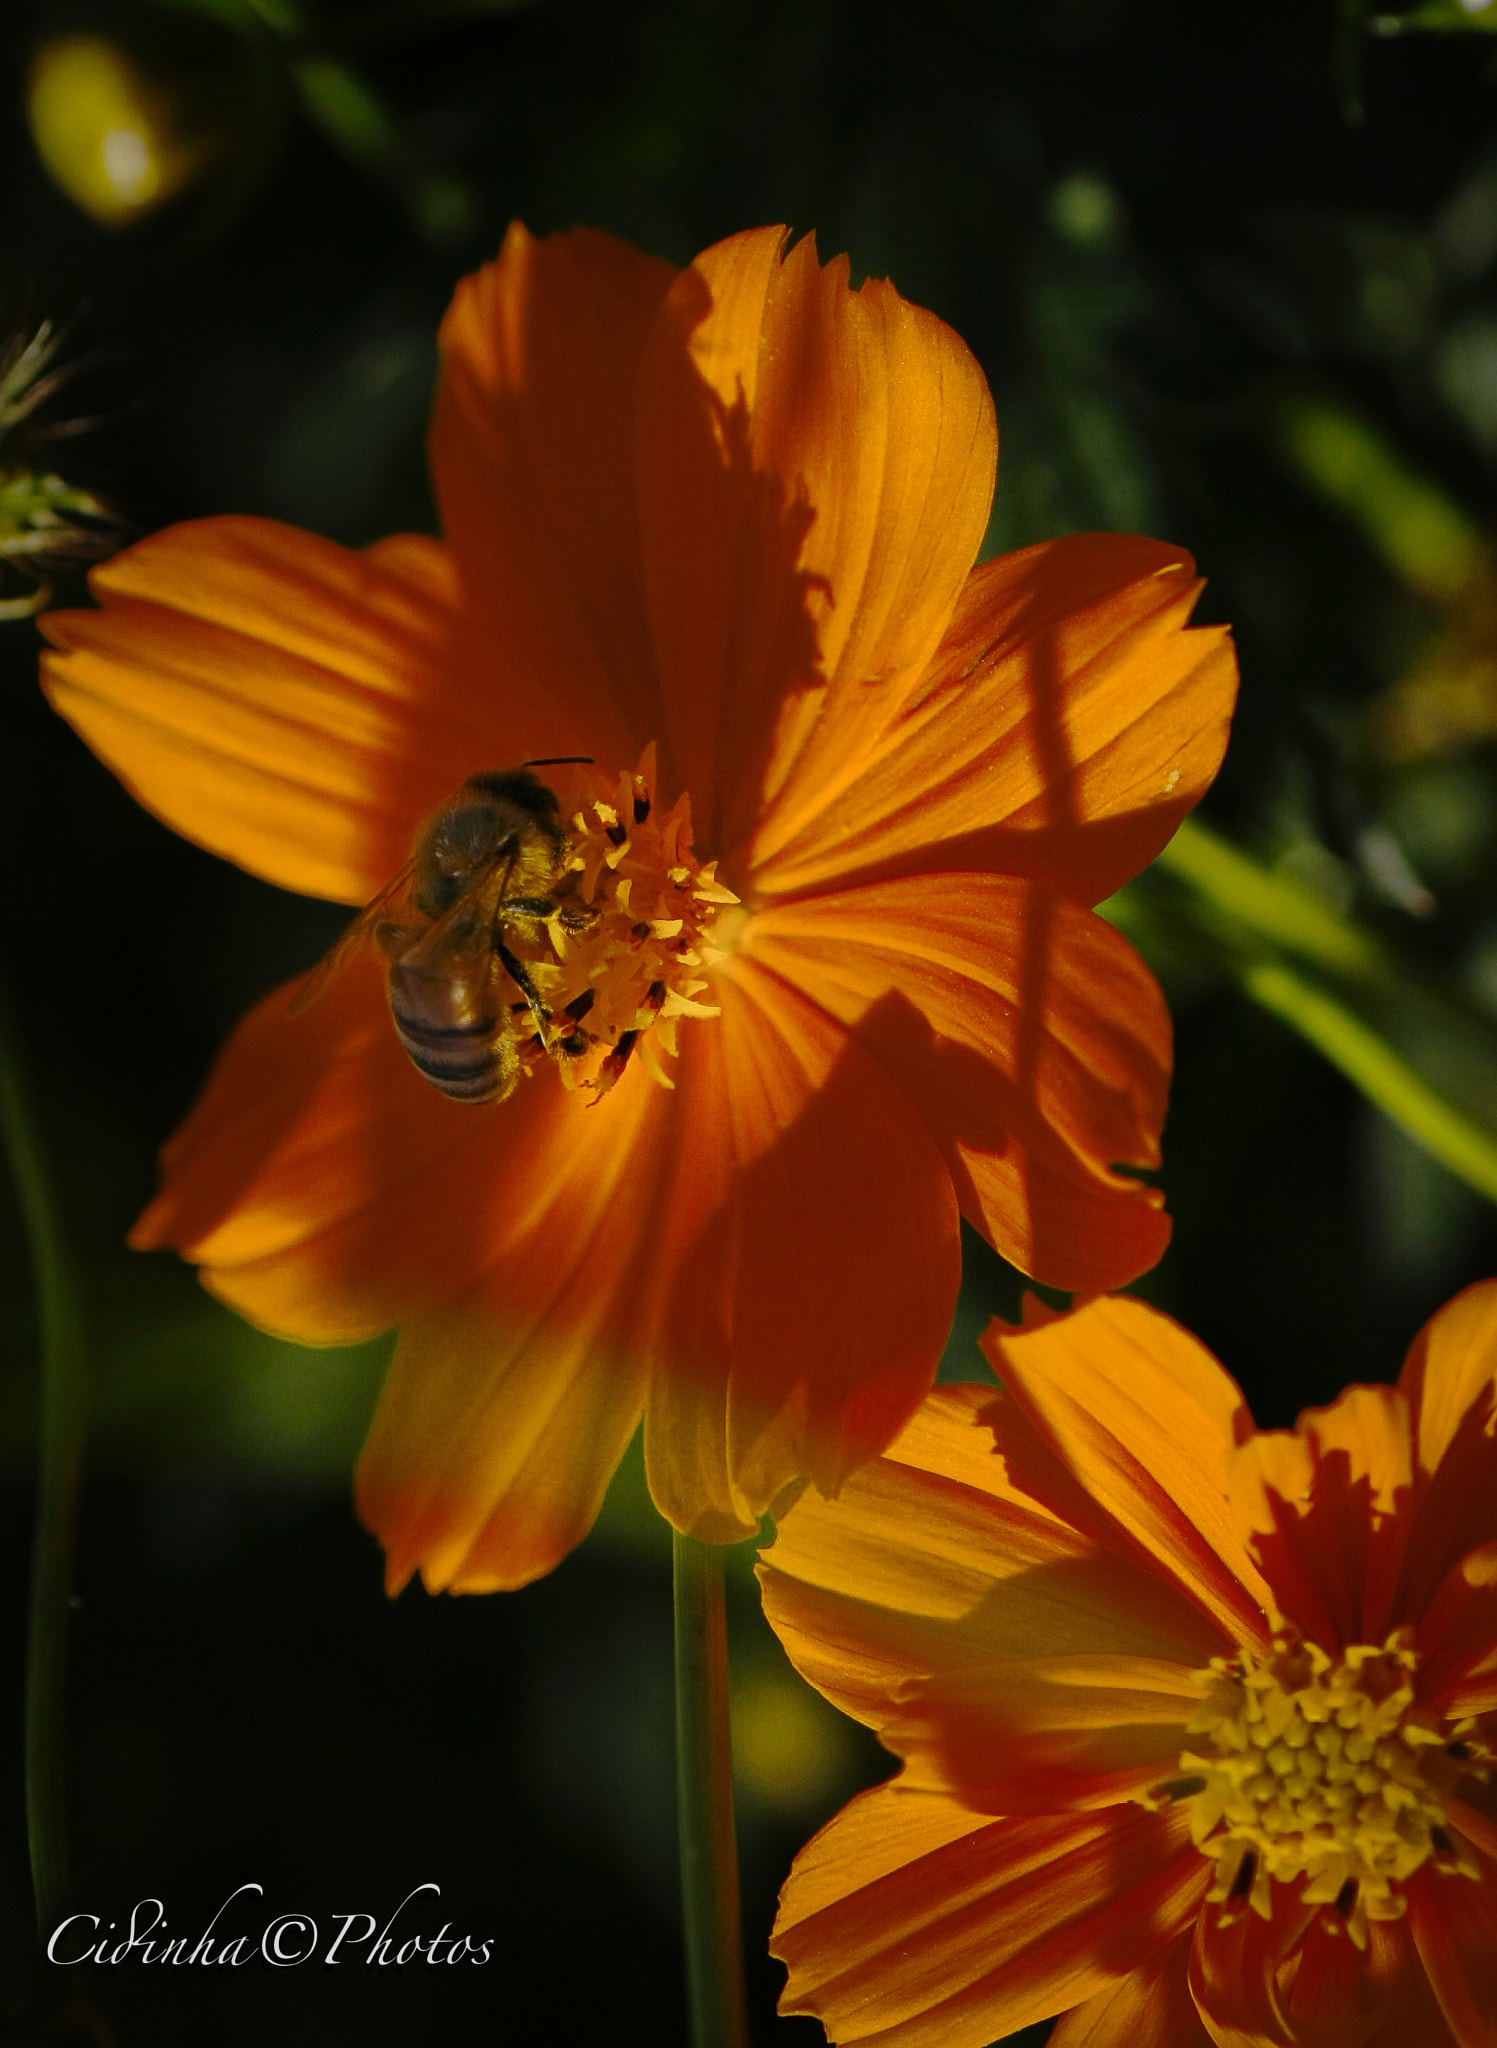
{"x":110,"y":136}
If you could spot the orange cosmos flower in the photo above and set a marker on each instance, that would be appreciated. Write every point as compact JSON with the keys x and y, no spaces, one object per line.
{"x":1197,"y":1720}
{"x":844,"y":803}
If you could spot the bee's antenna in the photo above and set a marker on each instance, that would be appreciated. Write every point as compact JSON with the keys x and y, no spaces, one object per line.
{"x":561,"y":761}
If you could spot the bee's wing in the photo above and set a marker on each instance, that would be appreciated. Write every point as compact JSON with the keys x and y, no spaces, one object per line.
{"x":470,"y":927}
{"x":357,"y":936}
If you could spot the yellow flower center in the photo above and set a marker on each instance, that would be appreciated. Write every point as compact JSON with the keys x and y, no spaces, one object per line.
{"x":1324,"y":1771}
{"x":621,"y":961}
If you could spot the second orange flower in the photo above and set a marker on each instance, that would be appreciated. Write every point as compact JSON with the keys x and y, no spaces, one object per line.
{"x":844,"y":803}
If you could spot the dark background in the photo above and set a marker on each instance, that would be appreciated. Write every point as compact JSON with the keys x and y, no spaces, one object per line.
{"x":1164,"y":233}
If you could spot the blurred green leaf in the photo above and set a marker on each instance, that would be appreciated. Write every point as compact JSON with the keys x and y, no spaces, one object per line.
{"x":1421,"y":1055}
{"x":1442,"y":16}
{"x":1371,"y":1064}
{"x":1424,"y":538}
{"x":354,"y":117}
{"x":1243,"y":902}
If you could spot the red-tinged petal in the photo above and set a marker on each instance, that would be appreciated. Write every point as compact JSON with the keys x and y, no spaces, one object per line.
{"x":816,"y":470}
{"x":808,"y":1261}
{"x":1324,"y":1510}
{"x":899,"y":1936}
{"x":1450,"y":1381}
{"x":1457,"y":1638}
{"x":1152,"y":2008}
{"x":1408,"y":2016}
{"x":1479,"y":1829}
{"x":284,"y":702}
{"x":497,"y":1434}
{"x":1029,"y":1035}
{"x":1145,"y":1418}
{"x":1330,"y":2002}
{"x":532,"y":453}
{"x":1064,"y":728}
{"x":1453,"y":1925}
{"x":1271,"y":1472}
{"x":1234,"y":1973}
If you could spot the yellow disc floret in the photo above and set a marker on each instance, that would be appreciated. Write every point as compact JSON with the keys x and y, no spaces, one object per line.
{"x":1324,"y":1773}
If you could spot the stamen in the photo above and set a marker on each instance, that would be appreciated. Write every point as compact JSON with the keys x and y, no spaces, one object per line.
{"x":620,"y":957}
{"x":1322,"y":1773}
{"x":1173,"y":1790}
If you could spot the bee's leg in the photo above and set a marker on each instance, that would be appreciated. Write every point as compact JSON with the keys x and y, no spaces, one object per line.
{"x":519,"y":974}
{"x":577,"y":917}
{"x":576,"y":1041}
{"x":572,"y":917}
{"x":527,"y":906}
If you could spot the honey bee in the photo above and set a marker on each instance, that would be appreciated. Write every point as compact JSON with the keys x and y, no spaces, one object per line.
{"x":490,"y":858}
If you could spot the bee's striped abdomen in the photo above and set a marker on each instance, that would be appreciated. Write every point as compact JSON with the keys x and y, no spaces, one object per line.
{"x":466,"y":1061}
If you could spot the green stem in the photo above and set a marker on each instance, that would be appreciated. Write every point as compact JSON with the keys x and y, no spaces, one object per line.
{"x":60,"y":1437}
{"x":704,"y":1800}
{"x":1372,"y":1065}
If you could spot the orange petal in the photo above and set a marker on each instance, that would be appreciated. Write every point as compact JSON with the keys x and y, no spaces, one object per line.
{"x":506,"y":1411}
{"x":1450,"y":1380}
{"x":1065,"y":726}
{"x":1453,"y":1924}
{"x":309,"y":1124}
{"x":1040,"y":1734}
{"x":1030,"y":1036}
{"x":1324,"y":1510}
{"x":532,"y":454}
{"x":900,"y":1932}
{"x":497,"y":1433}
{"x":808,"y":1265}
{"x":328,"y":1191}
{"x":284,"y":702}
{"x":1145,"y":1418}
{"x":1152,"y":2008}
{"x":816,"y":472}
{"x":963,"y":1620}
